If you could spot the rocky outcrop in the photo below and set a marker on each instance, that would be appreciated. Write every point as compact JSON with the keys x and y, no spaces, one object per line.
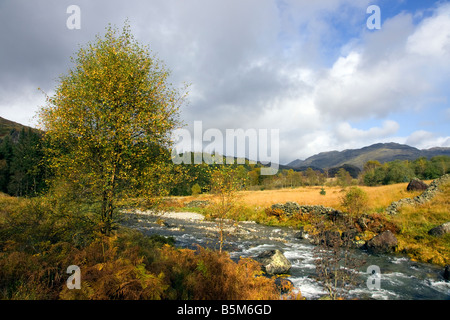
{"x":440,"y":230}
{"x":426,"y":196}
{"x":384,"y":242}
{"x":273,"y":262}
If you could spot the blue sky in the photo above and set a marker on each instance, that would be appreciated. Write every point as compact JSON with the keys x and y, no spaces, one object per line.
{"x":311,"y":69}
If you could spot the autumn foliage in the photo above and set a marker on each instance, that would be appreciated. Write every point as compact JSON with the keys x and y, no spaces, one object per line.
{"x":37,"y":244}
{"x":108,"y":126}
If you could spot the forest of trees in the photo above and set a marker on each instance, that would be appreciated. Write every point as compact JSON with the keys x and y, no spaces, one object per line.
{"x":22,"y":170}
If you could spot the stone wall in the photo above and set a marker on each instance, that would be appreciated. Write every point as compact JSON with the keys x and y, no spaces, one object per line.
{"x":426,"y":196}
{"x":290,"y":208}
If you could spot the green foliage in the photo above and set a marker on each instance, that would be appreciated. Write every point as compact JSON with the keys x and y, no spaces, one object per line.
{"x":403,"y":171}
{"x":355,"y":201}
{"x":22,"y":171}
{"x":27,"y":169}
{"x":196,"y":189}
{"x":344,"y":178}
{"x":38,"y":242}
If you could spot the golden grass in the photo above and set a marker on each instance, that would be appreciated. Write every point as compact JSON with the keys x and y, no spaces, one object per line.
{"x":379,"y":197}
{"x":416,"y":221}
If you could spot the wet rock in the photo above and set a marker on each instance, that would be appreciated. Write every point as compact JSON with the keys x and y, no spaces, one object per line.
{"x":273,"y":262}
{"x":440,"y":230}
{"x":284,"y":285}
{"x":447,"y":273}
{"x":385,"y":242}
{"x":301,"y":234}
{"x":416,"y":185}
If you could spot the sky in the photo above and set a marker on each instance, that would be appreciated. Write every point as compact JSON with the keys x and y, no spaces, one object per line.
{"x":313,"y":70}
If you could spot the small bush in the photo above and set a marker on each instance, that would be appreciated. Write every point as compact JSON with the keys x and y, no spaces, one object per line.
{"x":196,"y":189}
{"x":355,"y":201}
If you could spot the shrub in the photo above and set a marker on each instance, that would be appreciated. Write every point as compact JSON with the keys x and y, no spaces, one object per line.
{"x":355,"y":201}
{"x":196,"y":189}
{"x":205,"y":275}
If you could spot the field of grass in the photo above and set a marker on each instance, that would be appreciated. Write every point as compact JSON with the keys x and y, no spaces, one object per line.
{"x":379,"y":197}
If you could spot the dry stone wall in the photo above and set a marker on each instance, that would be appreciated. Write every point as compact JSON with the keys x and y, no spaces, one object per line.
{"x":426,"y":196}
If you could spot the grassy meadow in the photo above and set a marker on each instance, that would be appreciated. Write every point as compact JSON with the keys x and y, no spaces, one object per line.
{"x":379,"y":197}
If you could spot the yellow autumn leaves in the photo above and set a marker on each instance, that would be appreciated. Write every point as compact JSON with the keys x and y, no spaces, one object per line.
{"x":109,"y":121}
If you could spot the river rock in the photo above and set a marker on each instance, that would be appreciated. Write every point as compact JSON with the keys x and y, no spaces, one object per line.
{"x":385,"y":242}
{"x":447,"y":273}
{"x":273,"y":262}
{"x":301,"y":234}
{"x":416,"y":185}
{"x":440,"y":230}
{"x":284,"y":285}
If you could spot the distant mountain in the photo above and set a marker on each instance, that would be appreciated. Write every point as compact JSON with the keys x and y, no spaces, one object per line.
{"x":383,"y":152}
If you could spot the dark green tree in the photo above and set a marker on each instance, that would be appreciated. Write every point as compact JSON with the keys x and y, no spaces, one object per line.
{"x":6,"y":154}
{"x":27,"y":167}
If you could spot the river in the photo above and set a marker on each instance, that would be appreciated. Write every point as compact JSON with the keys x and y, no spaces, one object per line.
{"x":400,"y":278}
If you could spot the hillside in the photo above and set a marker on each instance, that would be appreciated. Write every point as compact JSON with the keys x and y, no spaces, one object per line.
{"x":383,"y":152}
{"x":8,"y":127}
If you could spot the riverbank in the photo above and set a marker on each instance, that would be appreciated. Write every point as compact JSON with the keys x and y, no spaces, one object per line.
{"x":410,"y":224}
{"x":401,"y":277}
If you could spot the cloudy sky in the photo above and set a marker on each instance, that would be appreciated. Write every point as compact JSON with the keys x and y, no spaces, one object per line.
{"x":311,"y":69}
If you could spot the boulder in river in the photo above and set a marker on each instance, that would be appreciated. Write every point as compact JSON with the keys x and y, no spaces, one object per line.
{"x":273,"y":262}
{"x":385,"y":242}
{"x":440,"y":230}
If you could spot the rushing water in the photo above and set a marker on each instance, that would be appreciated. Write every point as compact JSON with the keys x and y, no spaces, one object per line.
{"x":401,"y":278}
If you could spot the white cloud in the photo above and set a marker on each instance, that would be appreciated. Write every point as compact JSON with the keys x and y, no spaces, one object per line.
{"x":345,"y":133}
{"x":262,"y":64}
{"x":424,"y":139}
{"x":432,"y":37}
